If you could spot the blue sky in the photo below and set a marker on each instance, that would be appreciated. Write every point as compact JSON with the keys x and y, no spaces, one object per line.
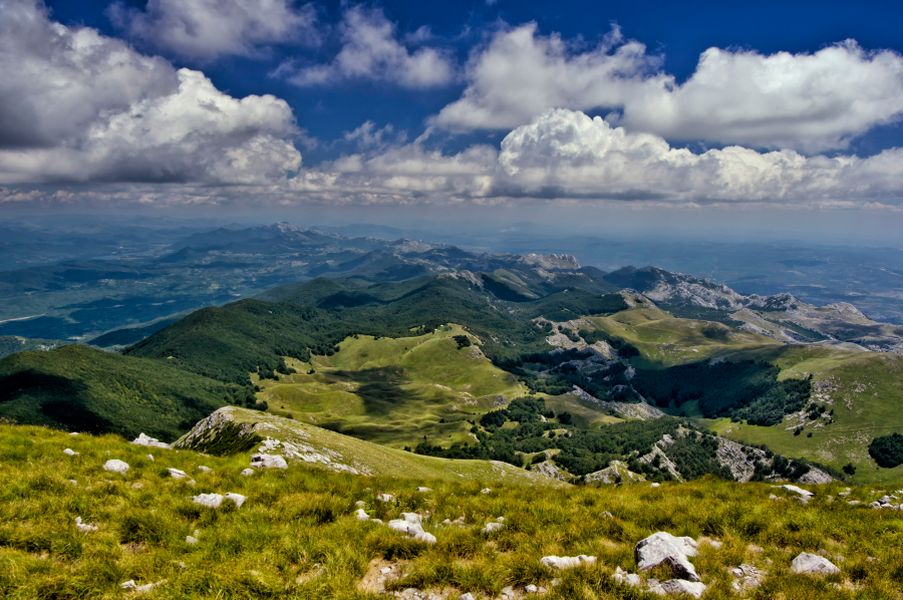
{"x":639,"y":105}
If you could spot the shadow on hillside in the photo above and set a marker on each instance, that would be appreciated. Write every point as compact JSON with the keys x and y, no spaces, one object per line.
{"x":379,"y":388}
{"x":51,"y":400}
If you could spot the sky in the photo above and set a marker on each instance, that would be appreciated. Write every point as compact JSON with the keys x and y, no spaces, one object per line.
{"x":695,"y":115}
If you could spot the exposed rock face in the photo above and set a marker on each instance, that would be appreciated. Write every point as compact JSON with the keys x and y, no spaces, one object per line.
{"x":813,"y":564}
{"x":625,"y":410}
{"x":550,"y":470}
{"x":615,"y":472}
{"x":662,"y":548}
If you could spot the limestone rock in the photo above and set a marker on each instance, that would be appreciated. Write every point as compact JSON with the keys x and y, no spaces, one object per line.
{"x":148,"y":441}
{"x":664,"y":548}
{"x":114,"y":465}
{"x":269,"y":461}
{"x":677,"y":586}
{"x":813,"y":564}
{"x":567,"y":562}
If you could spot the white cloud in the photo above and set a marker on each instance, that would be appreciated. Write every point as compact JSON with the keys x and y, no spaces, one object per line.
{"x":566,"y":153}
{"x":809,"y":102}
{"x":78,"y":106}
{"x":371,"y":51}
{"x":208,"y":29}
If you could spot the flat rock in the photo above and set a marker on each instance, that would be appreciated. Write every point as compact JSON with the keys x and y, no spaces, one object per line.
{"x":813,"y":564}
{"x":150,"y":442}
{"x":662,"y":548}
{"x":176,"y":473}
{"x":567,"y":562}
{"x":269,"y":461}
{"x":70,"y":452}
{"x":746,"y":577}
{"x":677,"y":586}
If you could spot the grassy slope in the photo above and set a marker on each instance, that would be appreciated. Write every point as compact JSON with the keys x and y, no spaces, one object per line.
{"x":395,"y":390}
{"x":866,"y":388}
{"x":665,"y":340}
{"x":375,"y":459}
{"x":81,"y":388}
{"x":866,"y":394}
{"x":296,"y":536}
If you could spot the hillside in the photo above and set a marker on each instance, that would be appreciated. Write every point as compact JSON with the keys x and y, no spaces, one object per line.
{"x":296,"y":535}
{"x":78,"y":388}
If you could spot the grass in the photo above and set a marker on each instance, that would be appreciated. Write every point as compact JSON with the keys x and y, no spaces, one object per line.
{"x":864,"y":389}
{"x":664,"y":340}
{"x":395,"y":390}
{"x":296,"y":536}
{"x":78,"y":387}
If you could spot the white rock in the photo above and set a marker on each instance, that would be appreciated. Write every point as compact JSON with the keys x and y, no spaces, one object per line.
{"x":567,"y":562}
{"x":146,"y":440}
{"x":467,"y":596}
{"x":84,"y":527}
{"x":492,"y":527}
{"x":805,"y":495}
{"x":114,"y":465}
{"x":176,"y":473}
{"x":150,"y":457}
{"x":625,"y":578}
{"x":813,"y":564}
{"x":361,"y":515}
{"x":131,"y":586}
{"x":269,"y":461}
{"x":677,"y":586}
{"x":247,"y":472}
{"x":508,"y":593}
{"x":385,"y":498}
{"x":655,"y":484}
{"x":238,"y":499}
{"x":204,"y":469}
{"x":190,"y":539}
{"x":486,"y":491}
{"x":413,"y":530}
{"x":208,"y":500}
{"x":423,"y":489}
{"x":70,"y":452}
{"x":664,"y":548}
{"x":746,"y":577}
{"x":411,"y":517}
{"x":531,"y":588}
{"x":360,"y":504}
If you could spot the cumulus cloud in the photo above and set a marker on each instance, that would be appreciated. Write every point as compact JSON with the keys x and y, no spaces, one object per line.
{"x":78,"y":106}
{"x":808,"y":102}
{"x":208,"y":29}
{"x":565,"y":153}
{"x":371,"y":51}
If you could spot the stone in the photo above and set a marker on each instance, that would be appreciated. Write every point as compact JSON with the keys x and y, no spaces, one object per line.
{"x":176,"y":473}
{"x":492,"y":527}
{"x":208,"y":500}
{"x":385,"y":498}
{"x":567,"y":562}
{"x":269,"y":461}
{"x":746,"y":577}
{"x":191,"y":540}
{"x":486,"y":491}
{"x":237,"y":499}
{"x":148,"y":441}
{"x":84,"y":527}
{"x":70,"y":452}
{"x":424,"y":490}
{"x":114,"y":465}
{"x":677,"y":586}
{"x":150,"y":457}
{"x":804,"y":495}
{"x":625,"y":578}
{"x":247,"y":472}
{"x":361,"y":515}
{"x":662,"y":548}
{"x":204,"y":469}
{"x":813,"y":564}
{"x":411,"y":526}
{"x":466,"y":596}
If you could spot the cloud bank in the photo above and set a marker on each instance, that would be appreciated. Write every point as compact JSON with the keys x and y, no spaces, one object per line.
{"x":807,"y":102}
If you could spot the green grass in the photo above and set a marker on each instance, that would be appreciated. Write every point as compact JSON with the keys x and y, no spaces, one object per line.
{"x":865,"y":391}
{"x":395,"y":390}
{"x":296,"y":536}
{"x":84,"y":389}
{"x":664,"y":340}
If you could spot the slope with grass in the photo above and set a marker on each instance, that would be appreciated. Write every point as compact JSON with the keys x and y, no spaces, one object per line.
{"x":296,"y":536}
{"x":395,"y":391}
{"x":83,"y":389}
{"x":232,"y":430}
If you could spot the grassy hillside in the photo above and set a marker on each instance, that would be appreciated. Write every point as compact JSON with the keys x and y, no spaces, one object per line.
{"x":395,"y":390}
{"x":296,"y":536}
{"x":862,"y":393}
{"x":218,"y":435}
{"x":83,"y":389}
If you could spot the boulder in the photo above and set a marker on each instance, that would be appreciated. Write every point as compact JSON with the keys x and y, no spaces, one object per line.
{"x":114,"y":465}
{"x":148,"y":441}
{"x":746,"y":577}
{"x":204,"y":469}
{"x":625,"y":578}
{"x":361,"y":515}
{"x":237,"y":499}
{"x":70,"y":452}
{"x":804,"y":495}
{"x":662,"y":548}
{"x":410,"y":525}
{"x":216,"y":500}
{"x":567,"y":562}
{"x":268,"y":461}
{"x":176,"y":473}
{"x":813,"y":564}
{"x":492,"y":527}
{"x":247,"y":472}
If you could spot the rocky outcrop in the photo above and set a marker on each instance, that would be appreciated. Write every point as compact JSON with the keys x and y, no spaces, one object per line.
{"x":662,"y":548}
{"x":616,"y":472}
{"x":813,"y":564}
